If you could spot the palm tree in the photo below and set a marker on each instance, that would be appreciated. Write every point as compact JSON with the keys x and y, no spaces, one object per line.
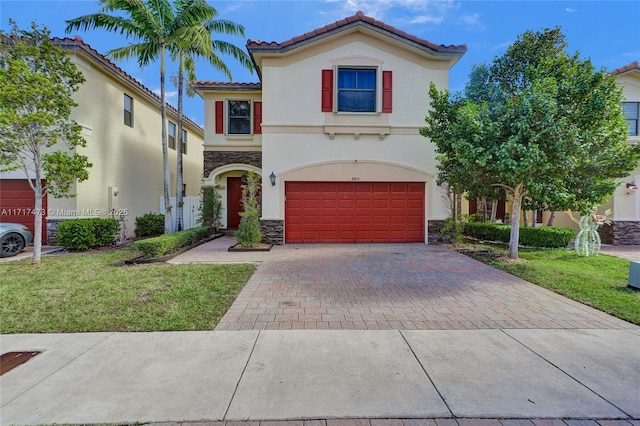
{"x":154,"y":29}
{"x":200,"y":44}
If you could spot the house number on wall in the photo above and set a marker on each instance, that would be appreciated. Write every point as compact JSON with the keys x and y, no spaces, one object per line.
{"x":355,"y":178}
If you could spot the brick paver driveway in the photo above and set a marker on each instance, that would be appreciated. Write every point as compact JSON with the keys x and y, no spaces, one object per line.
{"x":395,"y":286}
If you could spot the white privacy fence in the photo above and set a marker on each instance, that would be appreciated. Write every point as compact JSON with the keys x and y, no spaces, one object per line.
{"x":190,"y":209}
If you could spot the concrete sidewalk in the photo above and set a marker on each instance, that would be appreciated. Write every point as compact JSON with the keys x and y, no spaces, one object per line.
{"x":323,"y":374}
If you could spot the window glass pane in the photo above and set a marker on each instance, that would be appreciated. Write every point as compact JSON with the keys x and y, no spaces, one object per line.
{"x":172,"y":135}
{"x":239,"y":117}
{"x":366,"y":79}
{"x":631,"y":109}
{"x":128,"y":110}
{"x":346,"y":79}
{"x":631,"y":113}
{"x":356,"y":101}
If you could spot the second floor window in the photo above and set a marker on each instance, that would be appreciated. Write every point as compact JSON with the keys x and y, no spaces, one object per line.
{"x":172,"y":135}
{"x":356,"y":89}
{"x":239,"y":118}
{"x":184,"y":141}
{"x":128,"y":110}
{"x":631,"y":116}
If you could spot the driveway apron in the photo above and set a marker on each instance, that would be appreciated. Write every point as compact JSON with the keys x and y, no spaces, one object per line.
{"x":396,"y":286}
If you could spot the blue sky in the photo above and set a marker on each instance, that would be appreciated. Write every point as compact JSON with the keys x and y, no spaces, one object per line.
{"x":608,"y":32}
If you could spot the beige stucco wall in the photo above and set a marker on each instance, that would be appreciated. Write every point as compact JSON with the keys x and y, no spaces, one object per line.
{"x":220,"y":141}
{"x":123,"y":157}
{"x":627,"y":206}
{"x":300,"y":142}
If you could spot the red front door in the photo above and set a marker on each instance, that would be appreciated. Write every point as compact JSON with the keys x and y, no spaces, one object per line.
{"x":234,"y":201}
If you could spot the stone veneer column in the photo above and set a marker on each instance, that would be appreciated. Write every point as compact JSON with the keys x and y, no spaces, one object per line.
{"x":273,"y":231}
{"x":434,"y":231}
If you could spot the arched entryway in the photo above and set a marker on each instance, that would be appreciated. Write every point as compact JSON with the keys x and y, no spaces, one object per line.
{"x":228,"y":181}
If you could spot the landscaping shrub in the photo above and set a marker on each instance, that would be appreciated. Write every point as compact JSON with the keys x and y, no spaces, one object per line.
{"x":249,"y":233}
{"x":83,"y":234}
{"x":211,"y":208}
{"x":452,"y":231}
{"x":149,"y":225}
{"x":170,"y":243}
{"x":547,"y":237}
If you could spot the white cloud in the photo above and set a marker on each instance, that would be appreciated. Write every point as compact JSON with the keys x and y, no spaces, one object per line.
{"x":421,"y":11}
{"x":568,"y":9}
{"x":168,"y":95}
{"x":471,"y":21}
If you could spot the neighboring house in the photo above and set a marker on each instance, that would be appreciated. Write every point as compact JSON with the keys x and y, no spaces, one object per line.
{"x":120,"y":121}
{"x":625,"y":204}
{"x":333,"y":129}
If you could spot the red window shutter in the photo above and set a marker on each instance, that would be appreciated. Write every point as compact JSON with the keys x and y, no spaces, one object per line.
{"x":219,"y":117}
{"x":327,"y":90}
{"x":257,"y":117}
{"x":386,"y":91}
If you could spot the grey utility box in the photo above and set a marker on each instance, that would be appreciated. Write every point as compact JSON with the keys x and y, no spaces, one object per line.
{"x":634,"y":274}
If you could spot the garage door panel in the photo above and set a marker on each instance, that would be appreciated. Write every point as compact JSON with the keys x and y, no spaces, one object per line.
{"x":17,"y":202}
{"x":354,"y":212}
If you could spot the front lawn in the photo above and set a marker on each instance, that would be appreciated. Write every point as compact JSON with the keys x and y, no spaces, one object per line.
{"x":599,"y":281}
{"x":90,"y":292}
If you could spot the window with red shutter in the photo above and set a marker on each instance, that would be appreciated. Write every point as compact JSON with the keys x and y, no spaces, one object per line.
{"x":327,"y":90}
{"x":387,"y":98}
{"x":219,"y":117}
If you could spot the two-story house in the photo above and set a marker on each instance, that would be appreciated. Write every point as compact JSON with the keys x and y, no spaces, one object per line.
{"x":120,"y":121}
{"x":333,"y":129}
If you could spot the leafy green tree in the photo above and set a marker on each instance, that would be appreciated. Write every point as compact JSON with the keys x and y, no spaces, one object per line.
{"x":200,"y":45}
{"x":558,"y":137}
{"x":37,"y":135}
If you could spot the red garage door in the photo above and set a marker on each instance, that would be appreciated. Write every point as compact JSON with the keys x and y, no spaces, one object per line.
{"x":17,"y":202}
{"x":354,"y":212}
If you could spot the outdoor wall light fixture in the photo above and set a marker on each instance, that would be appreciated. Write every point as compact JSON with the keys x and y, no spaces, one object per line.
{"x":631,"y":187}
{"x":272,"y":176}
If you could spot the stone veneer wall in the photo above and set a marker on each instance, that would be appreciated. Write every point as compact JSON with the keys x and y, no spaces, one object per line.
{"x":273,"y":231}
{"x":215,"y":159}
{"x":626,"y":233}
{"x":52,"y":230}
{"x":434,"y":231}
{"x":606,"y":234}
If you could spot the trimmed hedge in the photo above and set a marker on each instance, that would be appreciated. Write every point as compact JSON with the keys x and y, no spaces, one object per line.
{"x":149,"y":225}
{"x":83,"y":234}
{"x":170,"y":243}
{"x":546,"y":237}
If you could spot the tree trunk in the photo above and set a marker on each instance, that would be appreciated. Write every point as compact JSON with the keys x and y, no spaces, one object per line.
{"x":165,"y":148}
{"x":515,"y":221}
{"x":526,"y":219}
{"x":552,"y":219}
{"x":459,"y":206}
{"x":534,"y":218}
{"x":37,"y":223}
{"x":179,"y":178}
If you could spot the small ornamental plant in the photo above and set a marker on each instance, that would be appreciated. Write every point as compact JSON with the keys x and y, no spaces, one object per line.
{"x":249,"y":234}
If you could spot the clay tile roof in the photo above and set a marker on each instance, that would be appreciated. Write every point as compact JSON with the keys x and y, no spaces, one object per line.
{"x":358,"y":17}
{"x":77,"y":42}
{"x":202,"y":84}
{"x":630,"y":67}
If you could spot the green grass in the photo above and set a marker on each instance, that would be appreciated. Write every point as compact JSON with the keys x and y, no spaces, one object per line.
{"x":599,"y":281}
{"x":91,"y":292}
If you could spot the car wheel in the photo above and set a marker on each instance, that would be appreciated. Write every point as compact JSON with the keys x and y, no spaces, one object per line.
{"x":10,"y":245}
